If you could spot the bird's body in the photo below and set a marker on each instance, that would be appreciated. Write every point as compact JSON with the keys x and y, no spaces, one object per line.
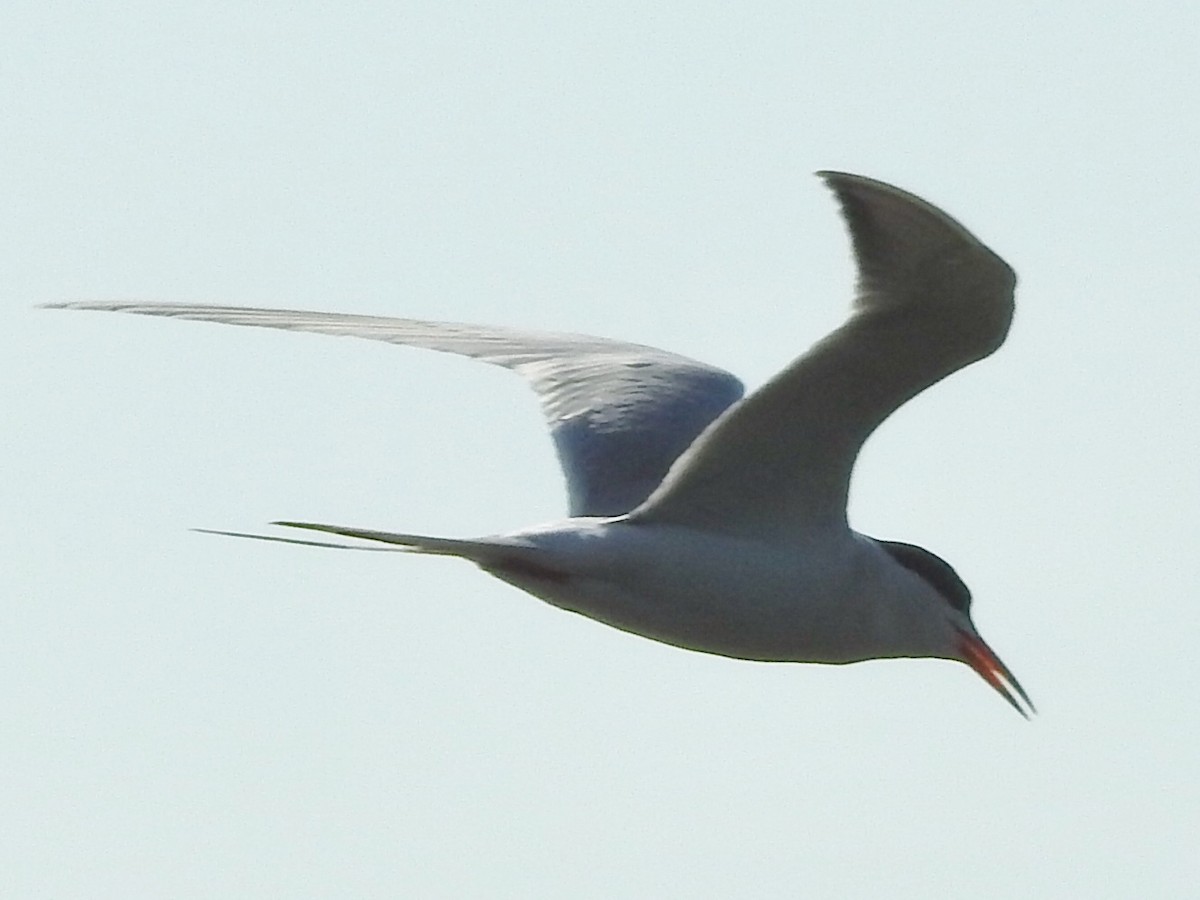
{"x":702,"y":591}
{"x":728,"y":595}
{"x":716,"y":523}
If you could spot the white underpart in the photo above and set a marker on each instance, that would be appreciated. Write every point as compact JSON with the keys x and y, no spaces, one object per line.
{"x":715,"y":523}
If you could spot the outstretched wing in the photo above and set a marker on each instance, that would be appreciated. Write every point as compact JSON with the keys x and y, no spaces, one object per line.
{"x":619,"y":413}
{"x":931,"y":299}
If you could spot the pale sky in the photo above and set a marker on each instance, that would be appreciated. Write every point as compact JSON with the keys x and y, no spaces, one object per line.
{"x":191,"y":716}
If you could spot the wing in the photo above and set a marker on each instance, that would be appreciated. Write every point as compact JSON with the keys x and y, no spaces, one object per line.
{"x":619,"y":413}
{"x":931,"y":299}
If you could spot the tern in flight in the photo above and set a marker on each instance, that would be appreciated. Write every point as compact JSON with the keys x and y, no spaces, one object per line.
{"x":717,"y":522}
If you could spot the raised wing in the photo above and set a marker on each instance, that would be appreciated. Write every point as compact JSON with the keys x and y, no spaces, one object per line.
{"x":619,"y":413}
{"x":931,"y":299}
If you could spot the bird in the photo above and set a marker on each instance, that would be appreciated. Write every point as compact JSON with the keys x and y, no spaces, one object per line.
{"x":709,"y":519}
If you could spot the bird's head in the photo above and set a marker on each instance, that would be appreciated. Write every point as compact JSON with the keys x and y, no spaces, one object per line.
{"x":947,"y":614}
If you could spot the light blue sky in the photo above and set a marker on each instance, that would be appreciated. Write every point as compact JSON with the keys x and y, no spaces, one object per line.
{"x":188,"y":716}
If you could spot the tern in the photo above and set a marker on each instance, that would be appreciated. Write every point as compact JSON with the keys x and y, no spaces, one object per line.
{"x":716,"y":522}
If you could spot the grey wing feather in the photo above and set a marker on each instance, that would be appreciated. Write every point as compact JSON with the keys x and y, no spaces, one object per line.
{"x":931,"y":299}
{"x":619,"y":413}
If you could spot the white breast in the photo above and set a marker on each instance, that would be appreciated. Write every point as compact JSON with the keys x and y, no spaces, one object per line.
{"x":813,"y":601}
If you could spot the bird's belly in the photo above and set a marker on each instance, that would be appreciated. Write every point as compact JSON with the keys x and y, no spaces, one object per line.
{"x":710,"y":593}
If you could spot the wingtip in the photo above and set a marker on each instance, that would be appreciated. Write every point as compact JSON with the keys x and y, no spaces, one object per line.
{"x":869,"y":204}
{"x":96,"y":305}
{"x":838,"y":181}
{"x":848,"y":184}
{"x":901,"y":240}
{"x":828,"y":175}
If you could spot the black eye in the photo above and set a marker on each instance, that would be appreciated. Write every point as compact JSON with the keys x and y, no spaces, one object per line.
{"x":935,"y":570}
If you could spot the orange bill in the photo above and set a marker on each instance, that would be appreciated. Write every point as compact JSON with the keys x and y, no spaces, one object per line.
{"x":979,"y":656}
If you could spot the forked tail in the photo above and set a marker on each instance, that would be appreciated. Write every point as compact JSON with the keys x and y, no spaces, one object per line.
{"x":484,"y":552}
